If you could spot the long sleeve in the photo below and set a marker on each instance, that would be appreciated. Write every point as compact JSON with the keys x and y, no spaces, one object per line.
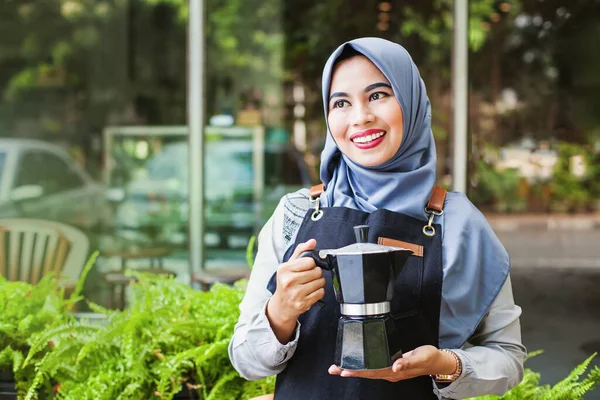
{"x":493,"y":357}
{"x":254,"y":350}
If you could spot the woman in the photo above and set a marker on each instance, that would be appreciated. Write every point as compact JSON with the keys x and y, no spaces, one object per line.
{"x":378,"y":168}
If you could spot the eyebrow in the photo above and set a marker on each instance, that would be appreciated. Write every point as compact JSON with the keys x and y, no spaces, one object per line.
{"x":367,"y":90}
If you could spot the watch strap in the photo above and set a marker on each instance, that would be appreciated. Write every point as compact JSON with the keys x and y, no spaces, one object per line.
{"x":457,"y":372}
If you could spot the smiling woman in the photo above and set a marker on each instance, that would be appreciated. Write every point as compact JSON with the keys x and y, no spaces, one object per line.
{"x":452,"y":314}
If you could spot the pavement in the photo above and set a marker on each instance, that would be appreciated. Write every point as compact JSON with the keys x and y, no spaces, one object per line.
{"x":550,"y":241}
{"x":544,"y":222}
{"x":561,"y":315}
{"x":555,"y":275}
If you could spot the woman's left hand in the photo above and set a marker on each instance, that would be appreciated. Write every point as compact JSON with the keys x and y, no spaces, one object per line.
{"x":424,"y":360}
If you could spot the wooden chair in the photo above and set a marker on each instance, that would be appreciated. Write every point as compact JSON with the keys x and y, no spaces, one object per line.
{"x":207,"y":278}
{"x":32,"y":248}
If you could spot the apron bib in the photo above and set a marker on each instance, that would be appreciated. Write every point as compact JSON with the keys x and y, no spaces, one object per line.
{"x":415,"y":307}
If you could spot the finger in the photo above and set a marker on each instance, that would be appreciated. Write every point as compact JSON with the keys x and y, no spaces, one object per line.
{"x":302,"y":247}
{"x":334,"y":370}
{"x":366,"y":374}
{"x":401,"y":364}
{"x":408,"y":368}
{"x":405,"y":362}
{"x":407,"y":354}
{"x":312,"y":275}
{"x":304,"y":264}
{"x":313,"y":286}
{"x":315,"y":296}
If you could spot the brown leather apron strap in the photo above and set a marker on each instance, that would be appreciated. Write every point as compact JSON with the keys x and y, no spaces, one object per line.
{"x":436,"y":201}
{"x":316,"y":191}
{"x":435,"y":207}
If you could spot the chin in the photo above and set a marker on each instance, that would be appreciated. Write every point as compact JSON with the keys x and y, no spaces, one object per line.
{"x":368,"y":162}
{"x":372,"y":160}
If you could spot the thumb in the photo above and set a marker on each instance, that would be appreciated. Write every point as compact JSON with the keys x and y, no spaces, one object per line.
{"x":302,"y":247}
{"x":407,"y":354}
{"x":403,"y":362}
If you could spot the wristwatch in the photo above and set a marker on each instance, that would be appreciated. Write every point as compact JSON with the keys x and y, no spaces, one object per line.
{"x":445,"y":378}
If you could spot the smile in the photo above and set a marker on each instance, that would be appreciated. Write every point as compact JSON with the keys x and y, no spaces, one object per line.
{"x":368,"y":138}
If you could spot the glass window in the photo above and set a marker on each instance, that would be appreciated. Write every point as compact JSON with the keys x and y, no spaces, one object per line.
{"x":48,"y":170}
{"x":264,"y":65}
{"x":69,"y":70}
{"x":31,"y":170}
{"x":534,"y":98}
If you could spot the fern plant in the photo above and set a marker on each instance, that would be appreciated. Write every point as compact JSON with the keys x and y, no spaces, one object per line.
{"x":170,"y":336}
{"x":570,"y":388}
{"x":28,"y":310}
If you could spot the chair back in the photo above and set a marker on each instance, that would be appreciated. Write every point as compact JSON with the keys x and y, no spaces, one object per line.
{"x":32,"y":248}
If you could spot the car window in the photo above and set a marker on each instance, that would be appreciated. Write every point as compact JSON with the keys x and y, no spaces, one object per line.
{"x":48,"y":170}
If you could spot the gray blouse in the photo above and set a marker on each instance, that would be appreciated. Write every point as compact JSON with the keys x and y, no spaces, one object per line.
{"x":492,"y":358}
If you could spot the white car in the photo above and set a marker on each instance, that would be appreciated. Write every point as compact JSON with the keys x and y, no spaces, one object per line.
{"x":41,"y":180}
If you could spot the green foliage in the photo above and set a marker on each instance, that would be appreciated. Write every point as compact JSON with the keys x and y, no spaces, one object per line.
{"x":30,"y":310}
{"x":570,"y":388}
{"x":170,"y":336}
{"x":434,"y":28}
{"x":27,"y":310}
{"x":567,"y":188}
{"x":495,"y":187}
{"x":250,"y":251}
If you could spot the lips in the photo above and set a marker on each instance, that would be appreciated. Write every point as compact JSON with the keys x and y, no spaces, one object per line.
{"x":368,"y":139}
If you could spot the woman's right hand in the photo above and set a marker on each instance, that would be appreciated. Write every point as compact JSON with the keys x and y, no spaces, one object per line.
{"x":300,"y":284}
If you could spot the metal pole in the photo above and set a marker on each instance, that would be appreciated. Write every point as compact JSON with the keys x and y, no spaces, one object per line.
{"x":460,"y":93}
{"x":196,"y":134}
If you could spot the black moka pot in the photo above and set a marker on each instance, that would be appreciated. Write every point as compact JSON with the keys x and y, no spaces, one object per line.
{"x":363,"y":281}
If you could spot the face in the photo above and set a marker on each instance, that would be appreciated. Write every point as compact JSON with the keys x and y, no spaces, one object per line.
{"x":364,"y":117}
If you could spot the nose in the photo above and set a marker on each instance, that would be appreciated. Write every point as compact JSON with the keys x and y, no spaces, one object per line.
{"x":361,"y":115}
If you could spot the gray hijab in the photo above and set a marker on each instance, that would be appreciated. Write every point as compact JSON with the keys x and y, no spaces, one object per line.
{"x":475,"y":263}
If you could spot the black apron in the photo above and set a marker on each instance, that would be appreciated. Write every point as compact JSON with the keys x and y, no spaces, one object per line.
{"x":415,"y":308}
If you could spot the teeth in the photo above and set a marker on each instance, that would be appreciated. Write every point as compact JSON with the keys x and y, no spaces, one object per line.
{"x":368,"y":138}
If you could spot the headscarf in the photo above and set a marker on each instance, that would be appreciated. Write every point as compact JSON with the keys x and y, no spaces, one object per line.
{"x":411,"y":171}
{"x":475,"y":264}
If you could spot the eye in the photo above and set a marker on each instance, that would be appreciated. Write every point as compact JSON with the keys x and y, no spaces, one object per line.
{"x":340,"y":103}
{"x":377,"y":96}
